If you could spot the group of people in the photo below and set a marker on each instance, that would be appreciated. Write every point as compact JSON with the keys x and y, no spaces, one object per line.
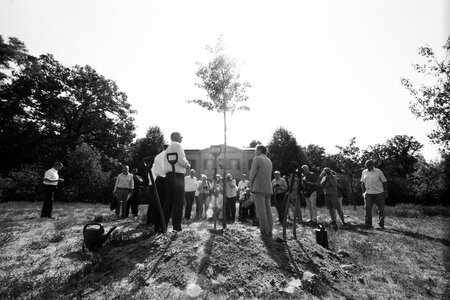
{"x":176,"y":191}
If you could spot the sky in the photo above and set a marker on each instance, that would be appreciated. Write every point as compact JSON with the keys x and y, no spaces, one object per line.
{"x":325,"y":70}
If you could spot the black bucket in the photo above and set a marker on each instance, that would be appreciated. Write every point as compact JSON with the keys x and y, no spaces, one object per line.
{"x":322,"y":236}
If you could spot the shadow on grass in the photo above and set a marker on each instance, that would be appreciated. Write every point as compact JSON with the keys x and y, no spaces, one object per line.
{"x":113,"y":262}
{"x":418,"y":236}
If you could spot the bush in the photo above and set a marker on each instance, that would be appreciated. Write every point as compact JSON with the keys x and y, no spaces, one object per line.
{"x":414,"y":211}
{"x":23,"y":184}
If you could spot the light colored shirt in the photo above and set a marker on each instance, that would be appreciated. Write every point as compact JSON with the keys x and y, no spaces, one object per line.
{"x":230,"y":188}
{"x":282,"y":186}
{"x":373,"y":181}
{"x":243,"y":184}
{"x":51,"y":174}
{"x":204,"y":187}
{"x":158,"y":167}
{"x":190,"y":183}
{"x":124,"y":181}
{"x":182,"y":163}
{"x":197,"y":192}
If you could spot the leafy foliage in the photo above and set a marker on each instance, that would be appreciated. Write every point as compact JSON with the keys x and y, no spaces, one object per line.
{"x":282,"y":149}
{"x":147,"y":146}
{"x":432,"y":102}
{"x":85,"y":178}
{"x":221,"y":81}
{"x":22,"y":184}
{"x":47,"y":109}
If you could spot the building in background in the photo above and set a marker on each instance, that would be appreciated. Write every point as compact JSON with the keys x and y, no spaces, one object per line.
{"x":239,"y":161}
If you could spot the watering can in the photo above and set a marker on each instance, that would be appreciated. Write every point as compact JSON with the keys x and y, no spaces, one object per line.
{"x":321,"y":236}
{"x":94,"y":235}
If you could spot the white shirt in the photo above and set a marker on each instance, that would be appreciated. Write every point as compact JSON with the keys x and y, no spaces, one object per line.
{"x":197,"y":192}
{"x":243,"y":184}
{"x":190,"y":183}
{"x":182,"y":163}
{"x":158,"y":167}
{"x":373,"y":181}
{"x":51,"y":174}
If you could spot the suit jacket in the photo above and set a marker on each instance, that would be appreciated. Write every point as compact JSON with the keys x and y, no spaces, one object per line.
{"x":260,"y":175}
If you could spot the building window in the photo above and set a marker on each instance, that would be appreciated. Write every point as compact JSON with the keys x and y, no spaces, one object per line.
{"x":193,"y":164}
{"x":235,"y":164}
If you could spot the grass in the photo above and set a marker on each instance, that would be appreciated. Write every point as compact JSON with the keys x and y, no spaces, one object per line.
{"x":414,"y":210}
{"x":403,"y":261}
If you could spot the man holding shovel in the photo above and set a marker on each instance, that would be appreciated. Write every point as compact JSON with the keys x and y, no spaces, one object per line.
{"x":159,"y":176}
{"x":173,"y":206}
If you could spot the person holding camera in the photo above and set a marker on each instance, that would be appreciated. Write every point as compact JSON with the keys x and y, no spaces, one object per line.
{"x":203,"y":189}
{"x":280,"y":187}
{"x":51,"y":180}
{"x":330,"y":189}
{"x":311,"y":183}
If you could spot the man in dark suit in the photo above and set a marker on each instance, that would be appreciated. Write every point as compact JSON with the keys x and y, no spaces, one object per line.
{"x":261,"y":185}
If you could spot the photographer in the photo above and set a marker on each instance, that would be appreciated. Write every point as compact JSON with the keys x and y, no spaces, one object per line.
{"x":330,"y":189}
{"x":311,"y":183}
{"x":279,"y":187}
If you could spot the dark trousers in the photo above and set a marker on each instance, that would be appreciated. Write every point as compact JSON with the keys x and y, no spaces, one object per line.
{"x":369,"y":201}
{"x":47,"y":206}
{"x":133,"y":202}
{"x":248,"y":212}
{"x":190,"y":197}
{"x":280,"y":204}
{"x":173,"y":206}
{"x":153,"y":215}
{"x":230,"y":209}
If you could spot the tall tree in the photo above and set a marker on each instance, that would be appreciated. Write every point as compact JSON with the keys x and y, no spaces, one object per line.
{"x":147,"y":146}
{"x":254,"y":143}
{"x":349,"y":162}
{"x":315,"y":156}
{"x":221,"y":80}
{"x":57,"y":108}
{"x":432,"y":102}
{"x":13,"y":55}
{"x":283,"y":148}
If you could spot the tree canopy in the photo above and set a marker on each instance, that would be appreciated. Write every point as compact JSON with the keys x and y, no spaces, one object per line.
{"x":47,"y":109}
{"x":432,"y":102}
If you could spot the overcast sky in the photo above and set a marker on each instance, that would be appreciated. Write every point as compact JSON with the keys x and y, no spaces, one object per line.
{"x":325,"y":70}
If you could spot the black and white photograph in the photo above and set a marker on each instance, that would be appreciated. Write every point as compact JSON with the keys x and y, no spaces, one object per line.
{"x":206,"y":149}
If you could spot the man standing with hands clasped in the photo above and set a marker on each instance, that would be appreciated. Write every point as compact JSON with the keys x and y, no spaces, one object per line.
{"x":123,"y":190}
{"x":374,"y":188}
{"x":261,"y":187}
{"x":51,"y":180}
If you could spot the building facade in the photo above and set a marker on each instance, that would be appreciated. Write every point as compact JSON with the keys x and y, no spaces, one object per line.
{"x":238,"y":162}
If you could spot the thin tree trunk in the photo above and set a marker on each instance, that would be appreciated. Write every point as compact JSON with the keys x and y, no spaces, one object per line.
{"x":224,"y":224}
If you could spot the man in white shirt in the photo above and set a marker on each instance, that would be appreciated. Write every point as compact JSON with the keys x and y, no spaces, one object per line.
{"x":173,"y":206}
{"x":51,"y":180}
{"x":190,"y":186}
{"x":159,"y":176}
{"x":374,"y":188}
{"x":123,"y":190}
{"x":230,"y":195}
